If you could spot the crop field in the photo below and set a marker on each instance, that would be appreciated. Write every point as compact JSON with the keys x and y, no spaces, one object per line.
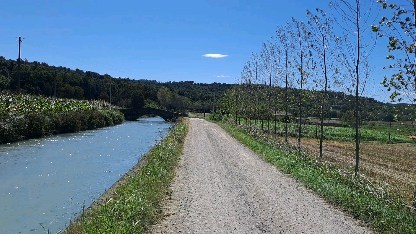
{"x":17,"y":105}
{"x":388,"y":165}
{"x":27,"y":116}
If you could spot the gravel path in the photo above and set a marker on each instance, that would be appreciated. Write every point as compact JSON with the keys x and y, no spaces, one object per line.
{"x":223,"y":187}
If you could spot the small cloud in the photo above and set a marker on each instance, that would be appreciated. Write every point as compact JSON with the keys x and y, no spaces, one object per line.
{"x":223,"y":76}
{"x":215,"y":55}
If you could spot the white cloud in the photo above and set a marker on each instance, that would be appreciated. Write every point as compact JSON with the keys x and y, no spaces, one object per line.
{"x":215,"y":55}
{"x":223,"y":76}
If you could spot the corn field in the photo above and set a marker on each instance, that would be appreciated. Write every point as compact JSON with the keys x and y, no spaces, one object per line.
{"x":25,"y":116}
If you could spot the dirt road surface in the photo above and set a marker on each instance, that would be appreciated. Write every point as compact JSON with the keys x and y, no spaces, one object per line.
{"x":222,"y":187}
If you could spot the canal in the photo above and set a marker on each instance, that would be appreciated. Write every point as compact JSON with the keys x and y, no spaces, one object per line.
{"x":47,"y":182}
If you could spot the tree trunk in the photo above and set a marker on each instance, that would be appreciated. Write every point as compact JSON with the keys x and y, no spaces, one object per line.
{"x":269,"y":94}
{"x":275,"y":122}
{"x":286,"y":99}
{"x":390,"y":132}
{"x":323,"y":104}
{"x":300,"y":94}
{"x":414,"y":8}
{"x":356,"y":110}
{"x":414,"y":15}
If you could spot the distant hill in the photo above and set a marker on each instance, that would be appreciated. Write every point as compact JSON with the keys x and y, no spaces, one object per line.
{"x":42,"y":79}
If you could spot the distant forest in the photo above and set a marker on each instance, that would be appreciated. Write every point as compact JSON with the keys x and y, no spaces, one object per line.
{"x":39,"y":78}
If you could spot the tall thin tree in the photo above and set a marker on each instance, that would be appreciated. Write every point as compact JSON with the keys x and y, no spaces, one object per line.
{"x":354,"y":23}
{"x":322,"y":43}
{"x":300,"y":40}
{"x":267,"y":61}
{"x":283,"y":40}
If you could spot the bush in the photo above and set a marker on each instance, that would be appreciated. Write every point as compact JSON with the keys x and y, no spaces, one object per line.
{"x":36,"y":125}
{"x":216,"y":116}
{"x":11,"y":129}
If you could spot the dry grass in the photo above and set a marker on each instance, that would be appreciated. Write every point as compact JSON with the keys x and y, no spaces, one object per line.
{"x":393,"y":166}
{"x":363,"y":197}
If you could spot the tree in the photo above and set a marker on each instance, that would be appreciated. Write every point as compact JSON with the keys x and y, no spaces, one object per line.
{"x":283,"y":41}
{"x":4,"y":82}
{"x":248,"y":79}
{"x":390,"y":117}
{"x":165,"y":98}
{"x":400,"y":28}
{"x":352,"y":21}
{"x":301,"y":61}
{"x":268,"y":64}
{"x":322,"y":42}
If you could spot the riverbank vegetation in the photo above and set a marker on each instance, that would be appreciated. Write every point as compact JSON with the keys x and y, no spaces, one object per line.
{"x":369,"y":202}
{"x":135,"y":202}
{"x":27,"y":116}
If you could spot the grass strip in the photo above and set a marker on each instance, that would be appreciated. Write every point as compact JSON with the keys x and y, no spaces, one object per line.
{"x":351,"y":194}
{"x":135,"y":203}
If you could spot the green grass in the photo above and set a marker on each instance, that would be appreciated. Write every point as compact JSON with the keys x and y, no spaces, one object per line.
{"x":136,"y":203}
{"x":354,"y":195}
{"x":380,"y":132}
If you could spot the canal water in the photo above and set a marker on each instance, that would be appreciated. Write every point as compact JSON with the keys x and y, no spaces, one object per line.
{"x":45,"y":183}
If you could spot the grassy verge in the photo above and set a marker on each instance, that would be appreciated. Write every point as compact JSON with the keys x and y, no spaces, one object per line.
{"x":354,"y":195}
{"x":134,"y":204}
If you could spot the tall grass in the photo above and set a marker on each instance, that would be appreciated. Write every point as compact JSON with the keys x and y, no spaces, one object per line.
{"x":135,"y":203}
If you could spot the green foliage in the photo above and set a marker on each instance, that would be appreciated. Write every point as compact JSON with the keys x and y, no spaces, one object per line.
{"x":137,"y":100}
{"x":240,"y":100}
{"x":4,"y":82}
{"x":41,"y":79}
{"x":353,"y":194}
{"x":172,"y":101}
{"x":136,"y":203}
{"x":216,"y":116}
{"x":399,"y":25}
{"x":26,"y":116}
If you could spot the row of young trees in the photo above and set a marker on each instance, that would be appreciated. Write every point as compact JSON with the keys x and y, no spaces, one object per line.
{"x":327,"y":52}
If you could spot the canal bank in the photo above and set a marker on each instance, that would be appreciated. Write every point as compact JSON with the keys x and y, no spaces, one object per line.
{"x":133,"y":204}
{"x":48,"y":182}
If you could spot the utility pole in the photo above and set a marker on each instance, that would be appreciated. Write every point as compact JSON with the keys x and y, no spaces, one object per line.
{"x":18,"y":66}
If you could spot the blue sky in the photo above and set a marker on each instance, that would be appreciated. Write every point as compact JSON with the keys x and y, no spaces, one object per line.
{"x":154,"y":39}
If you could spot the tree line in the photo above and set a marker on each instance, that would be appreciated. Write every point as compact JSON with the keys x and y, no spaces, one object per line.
{"x":320,"y":66}
{"x":39,"y":78}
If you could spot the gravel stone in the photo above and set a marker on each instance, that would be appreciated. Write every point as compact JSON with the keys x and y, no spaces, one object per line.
{"x":223,"y":187}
